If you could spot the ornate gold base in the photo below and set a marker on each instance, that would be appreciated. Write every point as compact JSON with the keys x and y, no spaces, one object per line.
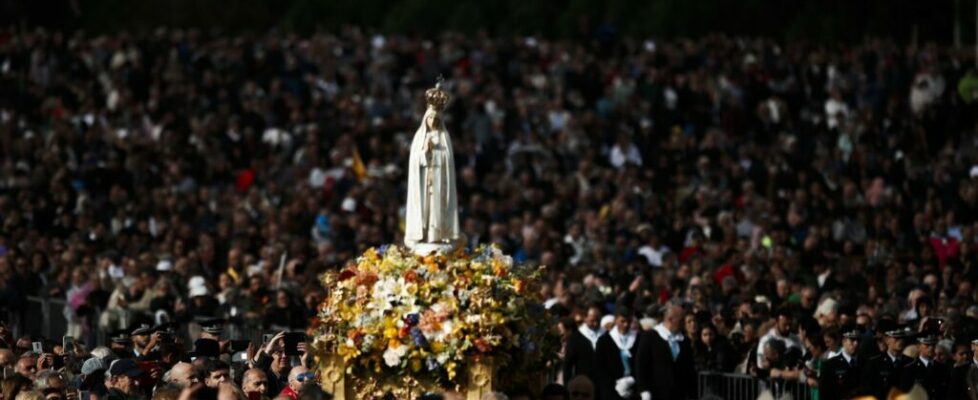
{"x":334,"y":378}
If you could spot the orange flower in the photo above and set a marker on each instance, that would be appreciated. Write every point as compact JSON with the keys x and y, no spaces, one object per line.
{"x":366,"y":278}
{"x":500,"y":270}
{"x":411,"y":276}
{"x":519,"y":286}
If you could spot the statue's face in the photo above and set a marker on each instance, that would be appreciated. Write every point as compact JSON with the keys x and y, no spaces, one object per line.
{"x":433,"y":121}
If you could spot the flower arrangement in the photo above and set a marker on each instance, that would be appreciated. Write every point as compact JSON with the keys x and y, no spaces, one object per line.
{"x":425,"y":318}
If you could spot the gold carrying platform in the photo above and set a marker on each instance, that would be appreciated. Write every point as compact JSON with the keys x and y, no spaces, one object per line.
{"x":333,"y":378}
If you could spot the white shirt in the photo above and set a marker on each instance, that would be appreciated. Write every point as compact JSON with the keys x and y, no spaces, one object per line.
{"x":591,"y":335}
{"x":620,"y":156}
{"x":653,"y":255}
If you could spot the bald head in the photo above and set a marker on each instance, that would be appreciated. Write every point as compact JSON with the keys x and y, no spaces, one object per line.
{"x":581,"y":388}
{"x":255,"y":381}
{"x":298,"y":377}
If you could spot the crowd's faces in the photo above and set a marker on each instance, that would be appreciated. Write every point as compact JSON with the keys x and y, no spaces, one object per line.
{"x":850,"y":345}
{"x":623,"y":324}
{"x":182,"y":374}
{"x":830,"y":342}
{"x":280,"y":362}
{"x":56,"y":388}
{"x":706,"y":336}
{"x":941,"y":354}
{"x":255,"y":381}
{"x":783,"y":325}
{"x":925,"y":351}
{"x":215,"y":378}
{"x":961,"y":355}
{"x":282,"y":300}
{"x":593,"y":318}
{"x":691,"y":325}
{"x":122,"y":383}
{"x":894,"y":345}
{"x":26,"y":367}
{"x":140,"y":341}
{"x":673,"y":319}
{"x":300,"y":376}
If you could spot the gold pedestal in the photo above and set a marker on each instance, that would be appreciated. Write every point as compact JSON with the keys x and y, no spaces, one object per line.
{"x":334,"y":379}
{"x":480,"y":378}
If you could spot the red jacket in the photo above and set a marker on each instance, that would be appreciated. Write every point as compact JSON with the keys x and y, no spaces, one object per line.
{"x":290,"y":393}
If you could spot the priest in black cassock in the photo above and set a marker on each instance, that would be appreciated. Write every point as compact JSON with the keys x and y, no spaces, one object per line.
{"x":615,"y":355}
{"x":664,"y":360}
{"x":579,"y":355}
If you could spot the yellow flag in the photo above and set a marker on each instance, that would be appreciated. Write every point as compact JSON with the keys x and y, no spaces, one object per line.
{"x":233,"y":274}
{"x":358,"y":168}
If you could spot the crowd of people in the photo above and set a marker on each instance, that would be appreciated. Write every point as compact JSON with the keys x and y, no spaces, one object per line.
{"x":719,"y":204}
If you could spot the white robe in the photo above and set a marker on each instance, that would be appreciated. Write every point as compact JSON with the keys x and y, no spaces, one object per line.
{"x":432,"y":214}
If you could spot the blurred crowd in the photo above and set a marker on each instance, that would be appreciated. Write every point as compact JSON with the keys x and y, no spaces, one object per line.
{"x":784,"y":195}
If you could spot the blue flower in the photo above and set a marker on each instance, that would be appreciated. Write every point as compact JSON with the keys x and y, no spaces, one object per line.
{"x":382,"y":249}
{"x":412,"y":319}
{"x":419,"y":339}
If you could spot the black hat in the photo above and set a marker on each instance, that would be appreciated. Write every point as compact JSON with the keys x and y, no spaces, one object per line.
{"x":125,"y":367}
{"x":929,"y":339}
{"x":851,"y":334}
{"x":214,"y":326}
{"x":900,"y":333}
{"x":120,"y":336}
{"x":206,"y":348}
{"x":142,"y":329}
{"x":885,"y":325}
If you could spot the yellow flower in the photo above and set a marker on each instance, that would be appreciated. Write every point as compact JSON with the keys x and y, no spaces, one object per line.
{"x":415,"y":365}
{"x":390,"y":332}
{"x":450,"y":368}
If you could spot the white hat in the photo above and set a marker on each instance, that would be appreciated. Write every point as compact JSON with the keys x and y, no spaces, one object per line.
{"x":164,"y":266}
{"x":199,"y":291}
{"x":974,"y":171}
{"x":196,"y":281}
{"x":607,"y":320}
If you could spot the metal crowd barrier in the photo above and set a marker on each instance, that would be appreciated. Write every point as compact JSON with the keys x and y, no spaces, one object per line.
{"x":730,"y":386}
{"x":45,"y":316}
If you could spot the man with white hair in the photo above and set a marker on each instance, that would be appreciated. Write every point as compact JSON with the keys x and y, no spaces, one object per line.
{"x":664,"y":359}
{"x":181,"y":374}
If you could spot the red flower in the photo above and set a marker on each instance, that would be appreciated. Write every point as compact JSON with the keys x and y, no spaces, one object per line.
{"x":482,"y":345}
{"x":347,"y":274}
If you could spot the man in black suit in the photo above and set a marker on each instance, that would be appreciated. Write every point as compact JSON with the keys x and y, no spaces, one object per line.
{"x":615,"y":356}
{"x":882,"y":372}
{"x":925,"y":371}
{"x":664,"y":361}
{"x":964,"y":378}
{"x":579,"y":356}
{"x":839,"y":376}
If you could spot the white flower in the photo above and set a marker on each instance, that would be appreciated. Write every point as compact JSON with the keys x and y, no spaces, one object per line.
{"x":392,"y":357}
{"x":442,"y":358}
{"x":472,"y":319}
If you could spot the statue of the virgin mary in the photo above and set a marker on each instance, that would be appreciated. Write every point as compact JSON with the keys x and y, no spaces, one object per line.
{"x":432,"y":205}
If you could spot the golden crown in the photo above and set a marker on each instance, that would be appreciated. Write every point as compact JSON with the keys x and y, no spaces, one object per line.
{"x":437,"y":98}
